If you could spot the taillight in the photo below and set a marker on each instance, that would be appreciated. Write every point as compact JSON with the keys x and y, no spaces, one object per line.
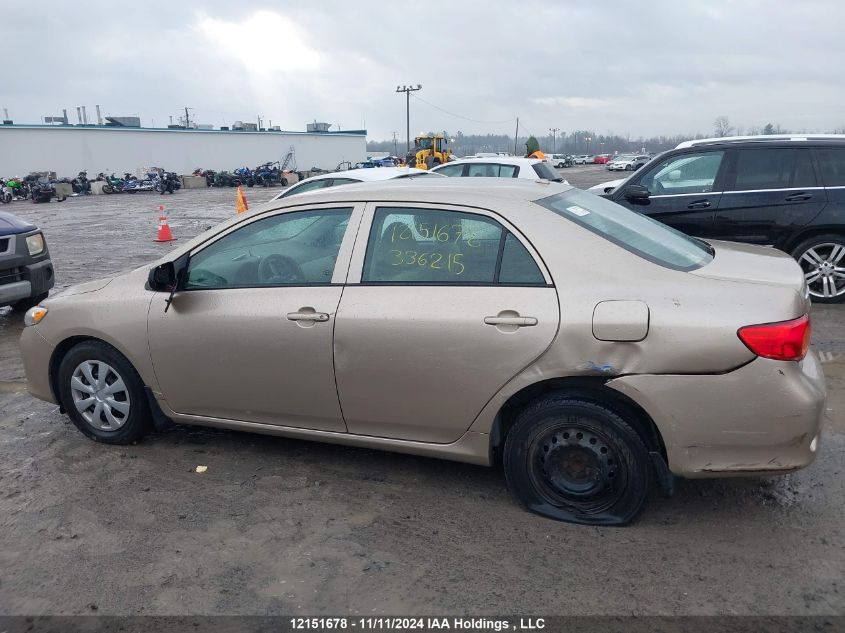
{"x":786,"y":340}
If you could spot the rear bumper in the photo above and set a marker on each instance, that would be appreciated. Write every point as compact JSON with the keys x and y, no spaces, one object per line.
{"x":764,"y":418}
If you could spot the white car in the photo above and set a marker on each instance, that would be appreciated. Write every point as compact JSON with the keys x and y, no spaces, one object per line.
{"x":352,"y":176}
{"x":628,"y":162}
{"x":583,"y":159}
{"x":557,"y":160}
{"x":500,"y":167}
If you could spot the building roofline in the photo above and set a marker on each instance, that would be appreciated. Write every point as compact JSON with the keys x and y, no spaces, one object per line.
{"x":111,"y":128}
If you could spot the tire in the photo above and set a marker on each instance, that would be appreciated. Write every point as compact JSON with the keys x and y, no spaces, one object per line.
{"x":25,"y":304}
{"x":629,"y":168}
{"x":283,"y":182}
{"x":573,"y":460}
{"x":89,"y":359}
{"x":822,"y":258}
{"x":108,"y":189}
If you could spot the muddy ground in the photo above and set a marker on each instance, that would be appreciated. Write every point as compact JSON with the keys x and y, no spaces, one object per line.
{"x":279,"y":526}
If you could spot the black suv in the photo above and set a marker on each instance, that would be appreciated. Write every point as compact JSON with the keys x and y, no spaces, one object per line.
{"x":786,"y":192}
{"x":26,"y":272}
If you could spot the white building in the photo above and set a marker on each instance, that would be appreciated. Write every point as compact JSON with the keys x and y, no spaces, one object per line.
{"x":68,"y":149}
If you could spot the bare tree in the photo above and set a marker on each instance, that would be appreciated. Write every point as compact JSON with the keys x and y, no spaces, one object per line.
{"x":722,"y":126}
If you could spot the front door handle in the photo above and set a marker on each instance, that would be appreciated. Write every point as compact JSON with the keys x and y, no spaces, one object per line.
{"x":507,"y":320}
{"x":699,"y":204}
{"x":319,"y":317}
{"x":798,"y":197}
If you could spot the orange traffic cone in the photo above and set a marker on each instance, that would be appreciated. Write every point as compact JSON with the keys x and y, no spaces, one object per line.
{"x":242,"y":205}
{"x":164,"y":234}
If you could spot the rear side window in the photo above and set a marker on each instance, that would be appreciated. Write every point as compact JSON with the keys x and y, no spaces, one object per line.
{"x":492,"y":170}
{"x":773,"y":168}
{"x":832,"y":163}
{"x":451,"y":170}
{"x":544,"y":171}
{"x":636,"y":233}
{"x":434,"y":246}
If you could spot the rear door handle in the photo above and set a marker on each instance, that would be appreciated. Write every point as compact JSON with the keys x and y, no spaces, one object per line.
{"x":798,"y":197}
{"x":699,"y":204}
{"x":517,"y":321}
{"x":320,"y":317}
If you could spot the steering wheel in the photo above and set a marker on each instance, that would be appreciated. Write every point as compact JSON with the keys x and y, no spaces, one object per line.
{"x":279,"y":269}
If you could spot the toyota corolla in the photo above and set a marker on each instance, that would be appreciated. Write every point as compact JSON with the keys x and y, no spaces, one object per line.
{"x":593,"y":352}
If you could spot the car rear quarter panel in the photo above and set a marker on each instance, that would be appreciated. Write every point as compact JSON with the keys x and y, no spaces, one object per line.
{"x":693,"y":320}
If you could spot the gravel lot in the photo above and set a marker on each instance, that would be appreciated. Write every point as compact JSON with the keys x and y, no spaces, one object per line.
{"x":280,"y":526}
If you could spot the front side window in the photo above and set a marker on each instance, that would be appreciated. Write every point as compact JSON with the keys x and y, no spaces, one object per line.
{"x":774,"y":168}
{"x":636,"y":233}
{"x":432,"y":246}
{"x":544,"y":171}
{"x":687,"y":173}
{"x":290,"y":249}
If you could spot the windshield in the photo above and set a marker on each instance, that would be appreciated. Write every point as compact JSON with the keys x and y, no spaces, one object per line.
{"x":636,"y":233}
{"x":544,"y":171}
{"x":424,"y":143}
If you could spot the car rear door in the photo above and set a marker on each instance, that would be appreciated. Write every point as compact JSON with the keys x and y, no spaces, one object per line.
{"x":685,"y":190}
{"x":444,"y":305}
{"x":770,"y":193}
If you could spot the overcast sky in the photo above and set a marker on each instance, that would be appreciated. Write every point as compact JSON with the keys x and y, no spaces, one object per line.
{"x":638,"y":68}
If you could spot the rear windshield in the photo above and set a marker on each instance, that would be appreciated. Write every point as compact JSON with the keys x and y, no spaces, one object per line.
{"x":544,"y":171}
{"x":636,"y":233}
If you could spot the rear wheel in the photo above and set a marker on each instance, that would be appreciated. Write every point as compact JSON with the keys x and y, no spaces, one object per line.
{"x":103,"y":394}
{"x":577,"y":461}
{"x":822,"y":258}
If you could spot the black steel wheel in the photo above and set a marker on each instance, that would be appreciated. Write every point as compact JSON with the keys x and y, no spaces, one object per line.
{"x":574,"y":460}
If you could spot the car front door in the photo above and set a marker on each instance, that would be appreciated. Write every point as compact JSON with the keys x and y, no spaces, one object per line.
{"x":248,"y":335}
{"x":685,"y":190}
{"x":769,"y":194}
{"x":443,"y":307}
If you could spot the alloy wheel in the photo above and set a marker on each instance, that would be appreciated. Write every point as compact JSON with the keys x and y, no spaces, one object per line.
{"x":100,"y":395}
{"x":824,"y":269}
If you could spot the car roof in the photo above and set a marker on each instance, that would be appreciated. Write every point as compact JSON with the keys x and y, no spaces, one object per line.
{"x":767,"y":138}
{"x":369,"y":174}
{"x":502,"y":160}
{"x":460,"y":191}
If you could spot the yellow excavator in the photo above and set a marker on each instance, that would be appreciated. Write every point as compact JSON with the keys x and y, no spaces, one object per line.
{"x":429,"y":151}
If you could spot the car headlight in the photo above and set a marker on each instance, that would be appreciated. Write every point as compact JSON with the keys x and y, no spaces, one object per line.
{"x":34,"y":315}
{"x":35,"y":244}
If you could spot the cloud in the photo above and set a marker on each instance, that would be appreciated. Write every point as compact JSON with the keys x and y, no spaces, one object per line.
{"x":265,"y":42}
{"x":659,"y":67}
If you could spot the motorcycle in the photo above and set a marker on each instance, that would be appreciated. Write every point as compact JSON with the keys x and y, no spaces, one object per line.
{"x":41,"y":190}
{"x":166,"y":182}
{"x":14,"y":188}
{"x":208,"y":174}
{"x":81,"y":184}
{"x":246,"y":176}
{"x":6,"y":193}
{"x":113,"y":184}
{"x":225,"y":179}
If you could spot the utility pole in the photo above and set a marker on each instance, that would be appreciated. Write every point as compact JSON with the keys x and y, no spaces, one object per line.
{"x":515,"y":137}
{"x":408,"y":90}
{"x":554,"y":130}
{"x":395,"y":150}
{"x":187,"y":120}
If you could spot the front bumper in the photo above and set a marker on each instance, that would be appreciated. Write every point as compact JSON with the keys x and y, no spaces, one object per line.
{"x":763,"y":418}
{"x":36,"y":352}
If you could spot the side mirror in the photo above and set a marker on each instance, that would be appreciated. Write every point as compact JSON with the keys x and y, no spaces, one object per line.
{"x":636,"y":193}
{"x":163,"y":277}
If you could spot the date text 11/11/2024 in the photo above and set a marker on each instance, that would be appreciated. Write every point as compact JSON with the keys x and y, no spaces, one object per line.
{"x":398,"y":623}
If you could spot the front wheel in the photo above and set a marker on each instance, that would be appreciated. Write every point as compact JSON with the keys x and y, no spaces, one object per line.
{"x":822,"y":258}
{"x":103,"y":394}
{"x":574,"y":460}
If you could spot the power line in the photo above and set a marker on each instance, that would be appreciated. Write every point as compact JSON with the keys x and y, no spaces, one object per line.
{"x":459,"y":116}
